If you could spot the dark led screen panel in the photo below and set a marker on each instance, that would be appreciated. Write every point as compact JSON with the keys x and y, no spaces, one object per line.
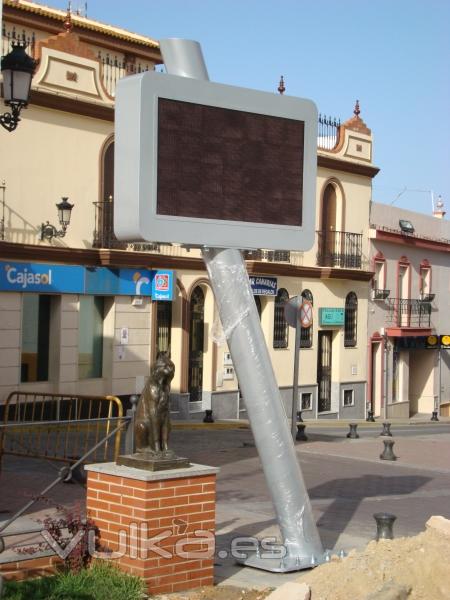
{"x":223,"y":164}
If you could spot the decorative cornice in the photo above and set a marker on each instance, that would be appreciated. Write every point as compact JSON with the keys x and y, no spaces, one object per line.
{"x":409,"y":240}
{"x":91,"y":32}
{"x":30,"y":252}
{"x":287,"y":270}
{"x":122,"y":258}
{"x":336,"y":164}
{"x":72,"y":105}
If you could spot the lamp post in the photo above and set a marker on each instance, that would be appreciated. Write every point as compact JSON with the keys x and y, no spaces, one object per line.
{"x":49,"y":231}
{"x":17,"y":69}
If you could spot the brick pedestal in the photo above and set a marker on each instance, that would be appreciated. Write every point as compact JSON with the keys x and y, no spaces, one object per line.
{"x":161,"y":524}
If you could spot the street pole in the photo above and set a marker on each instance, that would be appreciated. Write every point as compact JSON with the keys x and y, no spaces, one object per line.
{"x":438,"y":407}
{"x":295,"y":386}
{"x":386,"y":376}
{"x":242,"y":329}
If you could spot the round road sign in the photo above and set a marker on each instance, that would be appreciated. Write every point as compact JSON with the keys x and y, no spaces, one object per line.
{"x":306,"y":314}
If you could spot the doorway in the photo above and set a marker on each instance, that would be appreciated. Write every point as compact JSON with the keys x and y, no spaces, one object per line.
{"x":324,"y":371}
{"x":377,"y":378}
{"x":196,"y":344}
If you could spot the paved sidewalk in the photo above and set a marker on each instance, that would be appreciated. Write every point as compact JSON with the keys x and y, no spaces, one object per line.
{"x":347,"y":483}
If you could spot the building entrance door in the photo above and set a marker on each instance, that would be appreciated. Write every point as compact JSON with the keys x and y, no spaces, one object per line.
{"x":376,"y":378}
{"x":324,"y":371}
{"x":196,"y":344}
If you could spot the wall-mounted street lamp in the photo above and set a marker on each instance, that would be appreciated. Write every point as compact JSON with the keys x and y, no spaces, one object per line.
{"x":17,"y":69}
{"x":49,"y":231}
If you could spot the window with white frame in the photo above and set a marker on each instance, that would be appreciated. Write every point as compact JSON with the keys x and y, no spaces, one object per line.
{"x":306,"y":403}
{"x":425,"y":279}
{"x":348,"y":397}
{"x":379,"y":280}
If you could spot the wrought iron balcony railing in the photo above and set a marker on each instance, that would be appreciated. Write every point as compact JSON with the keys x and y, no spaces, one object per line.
{"x":407,"y":312}
{"x":339,"y":249}
{"x":268,"y":255}
{"x":103,"y":236}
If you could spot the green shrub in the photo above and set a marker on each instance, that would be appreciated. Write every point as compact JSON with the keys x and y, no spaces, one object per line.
{"x":102,"y":581}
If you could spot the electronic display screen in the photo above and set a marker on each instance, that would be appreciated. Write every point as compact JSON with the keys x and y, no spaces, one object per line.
{"x":223,"y":164}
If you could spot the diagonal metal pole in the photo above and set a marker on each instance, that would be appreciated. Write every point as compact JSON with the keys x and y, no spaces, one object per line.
{"x":242,"y":328}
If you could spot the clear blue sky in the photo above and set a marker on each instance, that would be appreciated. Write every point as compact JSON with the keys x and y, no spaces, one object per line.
{"x":392,"y":55}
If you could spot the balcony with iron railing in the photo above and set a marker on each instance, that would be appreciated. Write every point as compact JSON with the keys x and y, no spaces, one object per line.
{"x":339,"y":249}
{"x":103,"y":235}
{"x":408,"y":312}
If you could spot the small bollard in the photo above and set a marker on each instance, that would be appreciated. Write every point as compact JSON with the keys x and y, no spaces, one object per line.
{"x":353,"y":434}
{"x":208,"y":416}
{"x":301,"y":435}
{"x":299,"y":417}
{"x":386,"y":430}
{"x":434,"y":416}
{"x":388,"y":452}
{"x":385,"y":524}
{"x":370,"y":416}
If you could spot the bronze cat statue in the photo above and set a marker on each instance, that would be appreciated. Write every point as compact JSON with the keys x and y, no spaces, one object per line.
{"x":152,"y":420}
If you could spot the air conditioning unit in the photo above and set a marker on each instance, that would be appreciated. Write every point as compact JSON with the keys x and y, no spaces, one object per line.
{"x":380,"y":294}
{"x":427,"y":297}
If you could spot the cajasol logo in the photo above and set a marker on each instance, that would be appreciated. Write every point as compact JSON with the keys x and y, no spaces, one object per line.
{"x":140,"y":280}
{"x":23,"y":277}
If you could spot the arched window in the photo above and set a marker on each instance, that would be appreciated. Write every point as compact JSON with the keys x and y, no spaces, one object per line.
{"x":104,"y":209}
{"x":280,"y":326}
{"x":351,"y":318}
{"x":306,"y":334}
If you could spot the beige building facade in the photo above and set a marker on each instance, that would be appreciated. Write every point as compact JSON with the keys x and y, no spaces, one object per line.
{"x":100,"y":338}
{"x":409,"y":324}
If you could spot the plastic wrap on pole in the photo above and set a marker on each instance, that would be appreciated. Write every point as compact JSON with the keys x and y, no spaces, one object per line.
{"x":242,"y":329}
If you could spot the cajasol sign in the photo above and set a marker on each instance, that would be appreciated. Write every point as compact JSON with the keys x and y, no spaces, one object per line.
{"x":33,"y":277}
{"x":74,"y":279}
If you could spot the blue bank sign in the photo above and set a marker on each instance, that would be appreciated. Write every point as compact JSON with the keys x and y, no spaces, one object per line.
{"x":72,"y":279}
{"x":33,"y":277}
{"x":264,"y":286}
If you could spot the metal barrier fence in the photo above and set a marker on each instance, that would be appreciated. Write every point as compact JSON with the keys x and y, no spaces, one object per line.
{"x":60,"y":427}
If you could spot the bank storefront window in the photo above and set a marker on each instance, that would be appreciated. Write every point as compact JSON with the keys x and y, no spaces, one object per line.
{"x":35,"y":337}
{"x":90,"y":341}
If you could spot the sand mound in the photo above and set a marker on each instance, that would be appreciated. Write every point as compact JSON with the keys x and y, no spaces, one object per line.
{"x":419,"y":565}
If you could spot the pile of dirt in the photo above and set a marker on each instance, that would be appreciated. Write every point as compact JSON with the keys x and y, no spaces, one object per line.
{"x":221,"y":592}
{"x":417,"y":564}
